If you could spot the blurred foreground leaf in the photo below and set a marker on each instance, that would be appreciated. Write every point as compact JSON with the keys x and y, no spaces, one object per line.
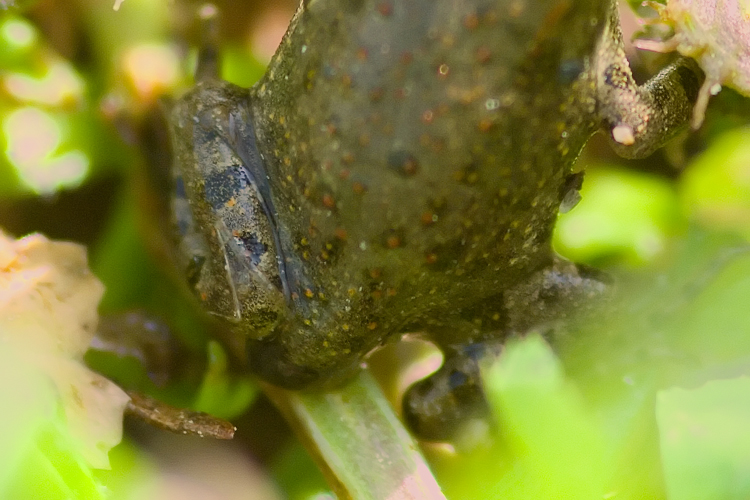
{"x":705,"y":440}
{"x":579,"y":419}
{"x":557,"y":446}
{"x":59,"y":419}
{"x":39,"y":458}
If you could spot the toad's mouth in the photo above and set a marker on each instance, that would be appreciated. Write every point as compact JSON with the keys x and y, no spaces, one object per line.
{"x":292,"y":280}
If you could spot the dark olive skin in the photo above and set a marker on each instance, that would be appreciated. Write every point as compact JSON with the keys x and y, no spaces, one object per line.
{"x":399,"y":169}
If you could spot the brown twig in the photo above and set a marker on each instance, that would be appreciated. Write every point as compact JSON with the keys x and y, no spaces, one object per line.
{"x":177,"y":420}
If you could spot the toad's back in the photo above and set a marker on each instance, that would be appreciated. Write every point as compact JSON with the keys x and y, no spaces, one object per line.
{"x":422,"y":165}
{"x":399,"y":168}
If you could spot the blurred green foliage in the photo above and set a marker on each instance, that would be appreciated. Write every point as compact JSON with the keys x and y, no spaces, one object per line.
{"x":40,"y":459}
{"x":221,"y":393}
{"x":298,"y":475}
{"x":716,"y":188}
{"x":623,"y":217}
{"x":581,"y":422}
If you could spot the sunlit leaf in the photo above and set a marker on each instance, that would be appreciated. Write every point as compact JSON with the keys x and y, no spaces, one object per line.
{"x":222,"y":394}
{"x":705,"y":440}
{"x":623,"y":216}
{"x":558,"y":447}
{"x":716,"y":188}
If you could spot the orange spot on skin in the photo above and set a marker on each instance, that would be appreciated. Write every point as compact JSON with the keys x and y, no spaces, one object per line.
{"x":375,"y":273}
{"x":328,"y":201}
{"x":231,"y":202}
{"x":348,"y":158}
{"x":362,"y":54}
{"x":393,"y":241}
{"x":427,"y":218}
{"x":410,"y":167}
{"x":359,"y":188}
{"x":471,"y":21}
{"x":372,"y":325}
{"x":431,"y":258}
{"x":309,"y":293}
{"x":483,"y":55}
{"x":376,"y":94}
{"x":484,"y":125}
{"x":344,"y":174}
{"x":385,"y":8}
{"x":340,"y":233}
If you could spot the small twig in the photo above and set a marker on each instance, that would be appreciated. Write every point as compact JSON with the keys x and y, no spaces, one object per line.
{"x":209,"y":63}
{"x":177,"y":420}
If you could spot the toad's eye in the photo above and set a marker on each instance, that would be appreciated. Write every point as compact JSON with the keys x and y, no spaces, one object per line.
{"x":229,"y":241}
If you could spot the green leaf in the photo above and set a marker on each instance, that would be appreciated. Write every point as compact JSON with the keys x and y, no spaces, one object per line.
{"x":705,"y":440}
{"x":716,"y":188}
{"x":298,"y":476}
{"x":222,"y":394}
{"x":623,"y":216}
{"x":558,"y":446}
{"x":133,"y":473}
{"x":238,"y":66}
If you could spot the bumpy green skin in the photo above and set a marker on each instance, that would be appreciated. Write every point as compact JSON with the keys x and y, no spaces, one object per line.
{"x":416,"y":154}
{"x":446,"y":185}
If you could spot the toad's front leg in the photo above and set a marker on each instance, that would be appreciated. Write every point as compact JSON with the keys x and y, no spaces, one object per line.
{"x":640,"y":119}
{"x":439,"y":407}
